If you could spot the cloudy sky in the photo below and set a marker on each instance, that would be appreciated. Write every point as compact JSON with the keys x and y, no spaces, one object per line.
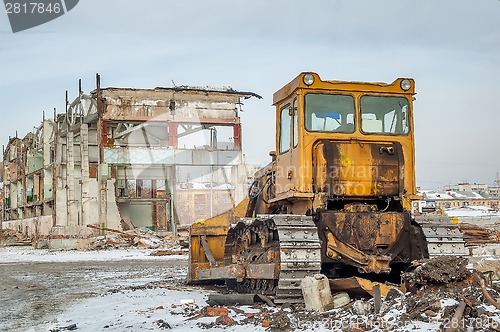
{"x":450,"y":47}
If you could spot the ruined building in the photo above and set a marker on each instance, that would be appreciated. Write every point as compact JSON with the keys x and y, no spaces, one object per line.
{"x":114,"y":158}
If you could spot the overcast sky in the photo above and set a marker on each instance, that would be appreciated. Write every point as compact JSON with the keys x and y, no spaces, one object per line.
{"x":450,"y":47}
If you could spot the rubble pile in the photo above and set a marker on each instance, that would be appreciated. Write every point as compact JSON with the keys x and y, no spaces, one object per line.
{"x":167,"y":244}
{"x":438,"y":270}
{"x":207,"y":317}
{"x":444,"y":294}
{"x":9,"y":237}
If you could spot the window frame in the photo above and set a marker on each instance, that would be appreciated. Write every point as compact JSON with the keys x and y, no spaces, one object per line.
{"x":295,"y":123}
{"x":354,"y":114}
{"x":287,"y":107}
{"x":408,"y":115}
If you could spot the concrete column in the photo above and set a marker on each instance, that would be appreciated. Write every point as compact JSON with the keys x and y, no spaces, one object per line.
{"x":70,"y":182}
{"x":172,"y":183}
{"x":84,"y":150}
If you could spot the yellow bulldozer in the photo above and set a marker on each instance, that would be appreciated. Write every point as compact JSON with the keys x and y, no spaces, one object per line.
{"x":335,"y":199}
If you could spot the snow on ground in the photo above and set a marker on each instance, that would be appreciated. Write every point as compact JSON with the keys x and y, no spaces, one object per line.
{"x":143,"y":310}
{"x":31,"y":255}
{"x":124,"y":301}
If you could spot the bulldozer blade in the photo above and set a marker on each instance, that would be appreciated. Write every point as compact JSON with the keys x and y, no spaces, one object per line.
{"x":357,"y":287}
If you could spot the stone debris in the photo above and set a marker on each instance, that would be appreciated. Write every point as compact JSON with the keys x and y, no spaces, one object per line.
{"x":162,"y":324}
{"x":137,"y":237}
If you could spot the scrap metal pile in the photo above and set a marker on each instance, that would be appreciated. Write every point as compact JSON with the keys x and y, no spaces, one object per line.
{"x":477,"y":235}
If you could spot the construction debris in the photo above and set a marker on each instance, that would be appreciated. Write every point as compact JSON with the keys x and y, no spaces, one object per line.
{"x":9,"y":237}
{"x":438,"y":270}
{"x":137,"y":237}
{"x":445,"y":296}
{"x":489,"y":267}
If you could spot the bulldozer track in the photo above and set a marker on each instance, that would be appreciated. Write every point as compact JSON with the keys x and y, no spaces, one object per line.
{"x":443,"y":237}
{"x":292,"y":240}
{"x":299,"y":255}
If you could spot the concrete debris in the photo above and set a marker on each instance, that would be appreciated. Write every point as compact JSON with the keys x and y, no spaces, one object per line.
{"x":362,"y":308}
{"x":9,"y":237}
{"x":444,"y":305}
{"x":137,"y":237}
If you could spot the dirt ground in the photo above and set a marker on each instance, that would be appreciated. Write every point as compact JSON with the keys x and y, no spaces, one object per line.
{"x":34,"y":293}
{"x":133,"y":290}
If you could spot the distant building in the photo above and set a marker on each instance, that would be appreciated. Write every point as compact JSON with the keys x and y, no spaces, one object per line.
{"x":480,"y":188}
{"x":468,"y":202}
{"x":494,"y":192}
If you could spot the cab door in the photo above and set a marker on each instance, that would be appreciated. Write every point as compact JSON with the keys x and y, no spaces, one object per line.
{"x":287,"y":152}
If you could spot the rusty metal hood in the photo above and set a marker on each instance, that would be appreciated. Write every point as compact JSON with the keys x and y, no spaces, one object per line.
{"x":358,"y":168}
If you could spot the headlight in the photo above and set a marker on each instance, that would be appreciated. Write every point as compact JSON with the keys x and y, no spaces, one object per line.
{"x":406,"y":84}
{"x":308,"y":79}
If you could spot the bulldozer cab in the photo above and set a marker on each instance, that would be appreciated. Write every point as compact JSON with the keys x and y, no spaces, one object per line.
{"x":362,"y":125}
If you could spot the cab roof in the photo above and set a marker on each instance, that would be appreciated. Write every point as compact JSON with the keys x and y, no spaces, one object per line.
{"x":334,"y":85}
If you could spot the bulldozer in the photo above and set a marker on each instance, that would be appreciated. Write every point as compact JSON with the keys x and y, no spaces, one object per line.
{"x":335,"y":199}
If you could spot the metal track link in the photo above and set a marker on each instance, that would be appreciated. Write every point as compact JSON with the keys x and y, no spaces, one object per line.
{"x":300,"y":255}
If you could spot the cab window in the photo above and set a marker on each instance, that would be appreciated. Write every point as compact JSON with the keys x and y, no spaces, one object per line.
{"x":384,"y":115}
{"x":285,"y":122}
{"x":329,"y":113}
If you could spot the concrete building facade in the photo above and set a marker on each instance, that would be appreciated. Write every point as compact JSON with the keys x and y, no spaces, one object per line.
{"x":114,"y":156}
